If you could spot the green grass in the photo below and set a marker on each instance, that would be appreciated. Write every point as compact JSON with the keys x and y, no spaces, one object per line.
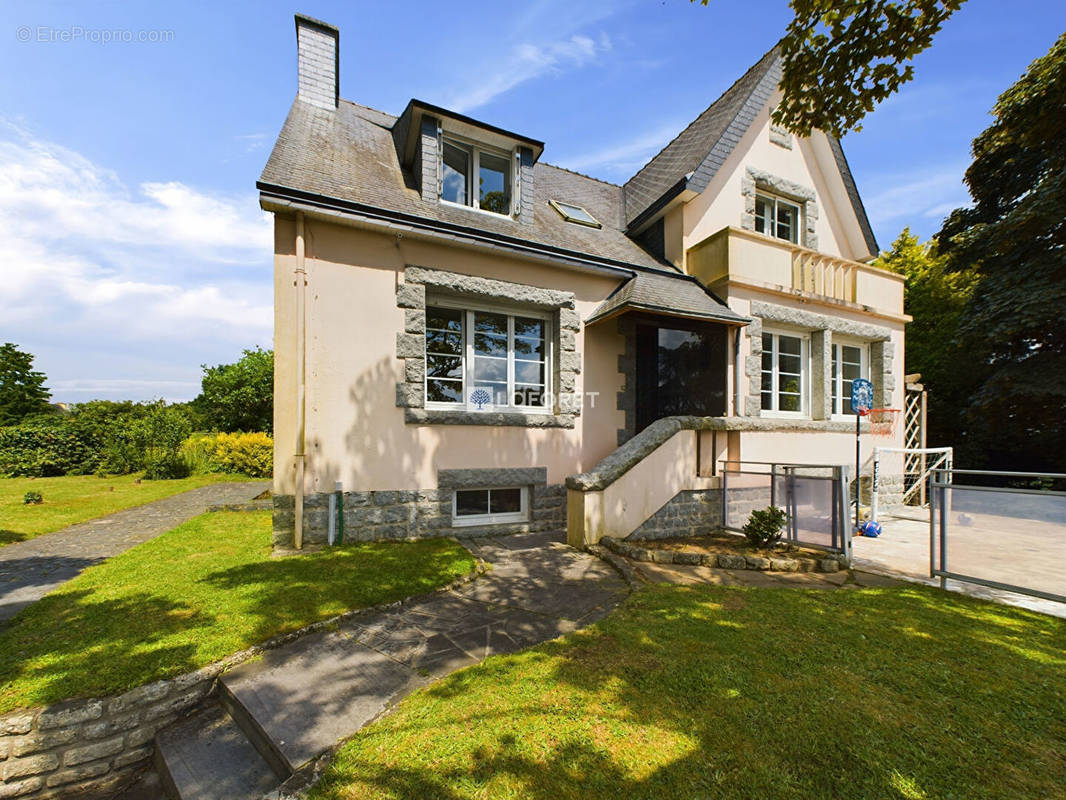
{"x":717,"y":692}
{"x":194,"y":595}
{"x":77,"y":498}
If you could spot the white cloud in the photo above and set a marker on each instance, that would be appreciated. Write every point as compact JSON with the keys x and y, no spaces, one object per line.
{"x":628,"y":155}
{"x":165,"y":270}
{"x":927,"y":193}
{"x":526,"y":62}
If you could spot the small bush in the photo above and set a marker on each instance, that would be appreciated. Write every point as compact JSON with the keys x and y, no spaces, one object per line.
{"x":765,"y":526}
{"x":164,"y":466}
{"x":33,"y":498}
{"x":251,"y":454}
{"x":199,"y":453}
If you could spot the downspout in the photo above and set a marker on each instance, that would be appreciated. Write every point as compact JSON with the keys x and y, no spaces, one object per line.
{"x":300,"y":283}
{"x":737,"y":410}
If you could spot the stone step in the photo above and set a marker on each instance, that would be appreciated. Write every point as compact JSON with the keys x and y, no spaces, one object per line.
{"x":208,"y":757}
{"x":299,"y":700}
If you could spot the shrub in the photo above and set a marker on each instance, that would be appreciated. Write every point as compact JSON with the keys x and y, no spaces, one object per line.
{"x":765,"y":526}
{"x":150,"y":441}
{"x":249,"y":453}
{"x":44,"y":449}
{"x":33,"y":498}
{"x":199,"y":453}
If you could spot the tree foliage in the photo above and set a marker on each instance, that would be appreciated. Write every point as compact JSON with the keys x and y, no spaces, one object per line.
{"x":936,"y":297}
{"x":240,"y":396}
{"x":22,"y":389}
{"x":1013,"y":238}
{"x":842,"y":57}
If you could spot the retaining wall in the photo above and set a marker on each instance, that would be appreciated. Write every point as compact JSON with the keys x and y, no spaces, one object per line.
{"x":92,"y":747}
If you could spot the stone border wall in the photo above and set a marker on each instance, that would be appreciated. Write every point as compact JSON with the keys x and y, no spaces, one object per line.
{"x":831,"y":563}
{"x":410,"y":514}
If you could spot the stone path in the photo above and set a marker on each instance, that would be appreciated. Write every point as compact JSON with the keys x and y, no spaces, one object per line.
{"x":31,"y":569}
{"x":299,"y":700}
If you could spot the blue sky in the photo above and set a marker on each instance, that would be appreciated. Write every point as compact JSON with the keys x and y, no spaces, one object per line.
{"x":135,"y":249}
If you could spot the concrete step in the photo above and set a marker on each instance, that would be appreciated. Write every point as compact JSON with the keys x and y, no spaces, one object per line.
{"x":208,"y":757}
{"x":299,"y":700}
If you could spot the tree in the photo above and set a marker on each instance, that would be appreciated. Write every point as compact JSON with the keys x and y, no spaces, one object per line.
{"x":1013,"y":238}
{"x":842,"y":57}
{"x":936,"y":297}
{"x":240,"y":396}
{"x":22,"y":389}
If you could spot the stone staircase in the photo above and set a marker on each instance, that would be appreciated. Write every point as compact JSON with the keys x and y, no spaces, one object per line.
{"x":271,"y":718}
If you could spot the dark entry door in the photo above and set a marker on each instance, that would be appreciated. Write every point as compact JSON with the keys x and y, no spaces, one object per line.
{"x":681,"y":370}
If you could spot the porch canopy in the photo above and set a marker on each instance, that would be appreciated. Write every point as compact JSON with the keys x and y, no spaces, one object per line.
{"x":677,"y":336}
{"x":670,"y":295}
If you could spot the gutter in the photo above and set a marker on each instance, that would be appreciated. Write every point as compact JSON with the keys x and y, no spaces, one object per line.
{"x":273,"y":197}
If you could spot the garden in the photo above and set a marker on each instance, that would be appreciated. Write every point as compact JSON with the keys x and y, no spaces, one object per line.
{"x":61,"y":465}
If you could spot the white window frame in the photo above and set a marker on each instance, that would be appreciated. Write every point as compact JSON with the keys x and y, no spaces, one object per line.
{"x":473,"y":190}
{"x":836,"y":382}
{"x":522,"y":515}
{"x":805,"y":375}
{"x":512,"y":311}
{"x":777,"y":200}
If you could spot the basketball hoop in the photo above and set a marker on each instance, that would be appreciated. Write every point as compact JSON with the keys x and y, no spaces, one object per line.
{"x":882,"y":420}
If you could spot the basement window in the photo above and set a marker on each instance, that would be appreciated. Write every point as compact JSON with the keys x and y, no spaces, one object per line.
{"x":490,"y":506}
{"x":575,"y":214}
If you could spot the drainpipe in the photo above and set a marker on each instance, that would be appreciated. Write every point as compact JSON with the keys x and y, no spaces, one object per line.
{"x":300,"y":283}
{"x":737,"y":410}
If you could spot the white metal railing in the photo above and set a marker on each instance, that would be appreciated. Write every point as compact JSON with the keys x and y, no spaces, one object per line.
{"x":818,"y":273}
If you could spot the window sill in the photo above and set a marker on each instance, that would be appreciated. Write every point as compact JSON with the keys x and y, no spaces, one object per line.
{"x":486,"y":521}
{"x":459,"y":416}
{"x":476,"y":209}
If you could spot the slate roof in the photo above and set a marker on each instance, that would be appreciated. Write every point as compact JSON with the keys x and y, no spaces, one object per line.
{"x":671,"y":295}
{"x":349,"y":154}
{"x":721,"y":124}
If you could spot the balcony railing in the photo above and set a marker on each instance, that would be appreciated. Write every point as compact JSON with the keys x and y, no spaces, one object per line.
{"x":818,"y":273}
{"x":747,"y":258}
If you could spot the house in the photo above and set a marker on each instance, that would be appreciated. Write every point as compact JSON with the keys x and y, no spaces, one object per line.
{"x":463,"y":331}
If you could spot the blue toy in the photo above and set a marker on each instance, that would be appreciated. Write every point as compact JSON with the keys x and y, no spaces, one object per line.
{"x":871,"y":529}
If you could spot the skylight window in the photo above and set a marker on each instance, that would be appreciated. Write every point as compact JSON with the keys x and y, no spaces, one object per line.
{"x":575,"y":214}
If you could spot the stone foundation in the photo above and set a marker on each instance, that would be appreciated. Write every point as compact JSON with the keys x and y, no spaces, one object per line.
{"x":689,"y":513}
{"x":409,"y":514}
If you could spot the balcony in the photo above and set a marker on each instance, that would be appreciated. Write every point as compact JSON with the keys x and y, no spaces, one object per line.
{"x":744,"y":258}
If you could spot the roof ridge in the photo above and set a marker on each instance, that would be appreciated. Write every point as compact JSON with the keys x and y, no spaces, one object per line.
{"x":699,"y":116}
{"x":579,"y":174}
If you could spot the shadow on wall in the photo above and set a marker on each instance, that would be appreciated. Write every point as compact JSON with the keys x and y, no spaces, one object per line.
{"x":382,"y":452}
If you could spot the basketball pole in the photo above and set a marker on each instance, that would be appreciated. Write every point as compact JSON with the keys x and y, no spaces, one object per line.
{"x":858,"y":468}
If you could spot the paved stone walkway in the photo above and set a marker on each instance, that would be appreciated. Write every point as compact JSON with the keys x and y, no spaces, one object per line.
{"x":31,"y":569}
{"x":299,"y":700}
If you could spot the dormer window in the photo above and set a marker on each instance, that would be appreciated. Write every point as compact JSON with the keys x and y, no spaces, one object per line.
{"x":461,"y":162}
{"x":776,"y":217}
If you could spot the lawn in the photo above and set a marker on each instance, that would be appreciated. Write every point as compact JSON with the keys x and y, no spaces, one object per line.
{"x":197,"y":593}
{"x":77,"y":498}
{"x":718,"y":692}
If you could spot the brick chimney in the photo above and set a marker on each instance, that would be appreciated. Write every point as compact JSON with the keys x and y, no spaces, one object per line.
{"x":318,"y":62}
